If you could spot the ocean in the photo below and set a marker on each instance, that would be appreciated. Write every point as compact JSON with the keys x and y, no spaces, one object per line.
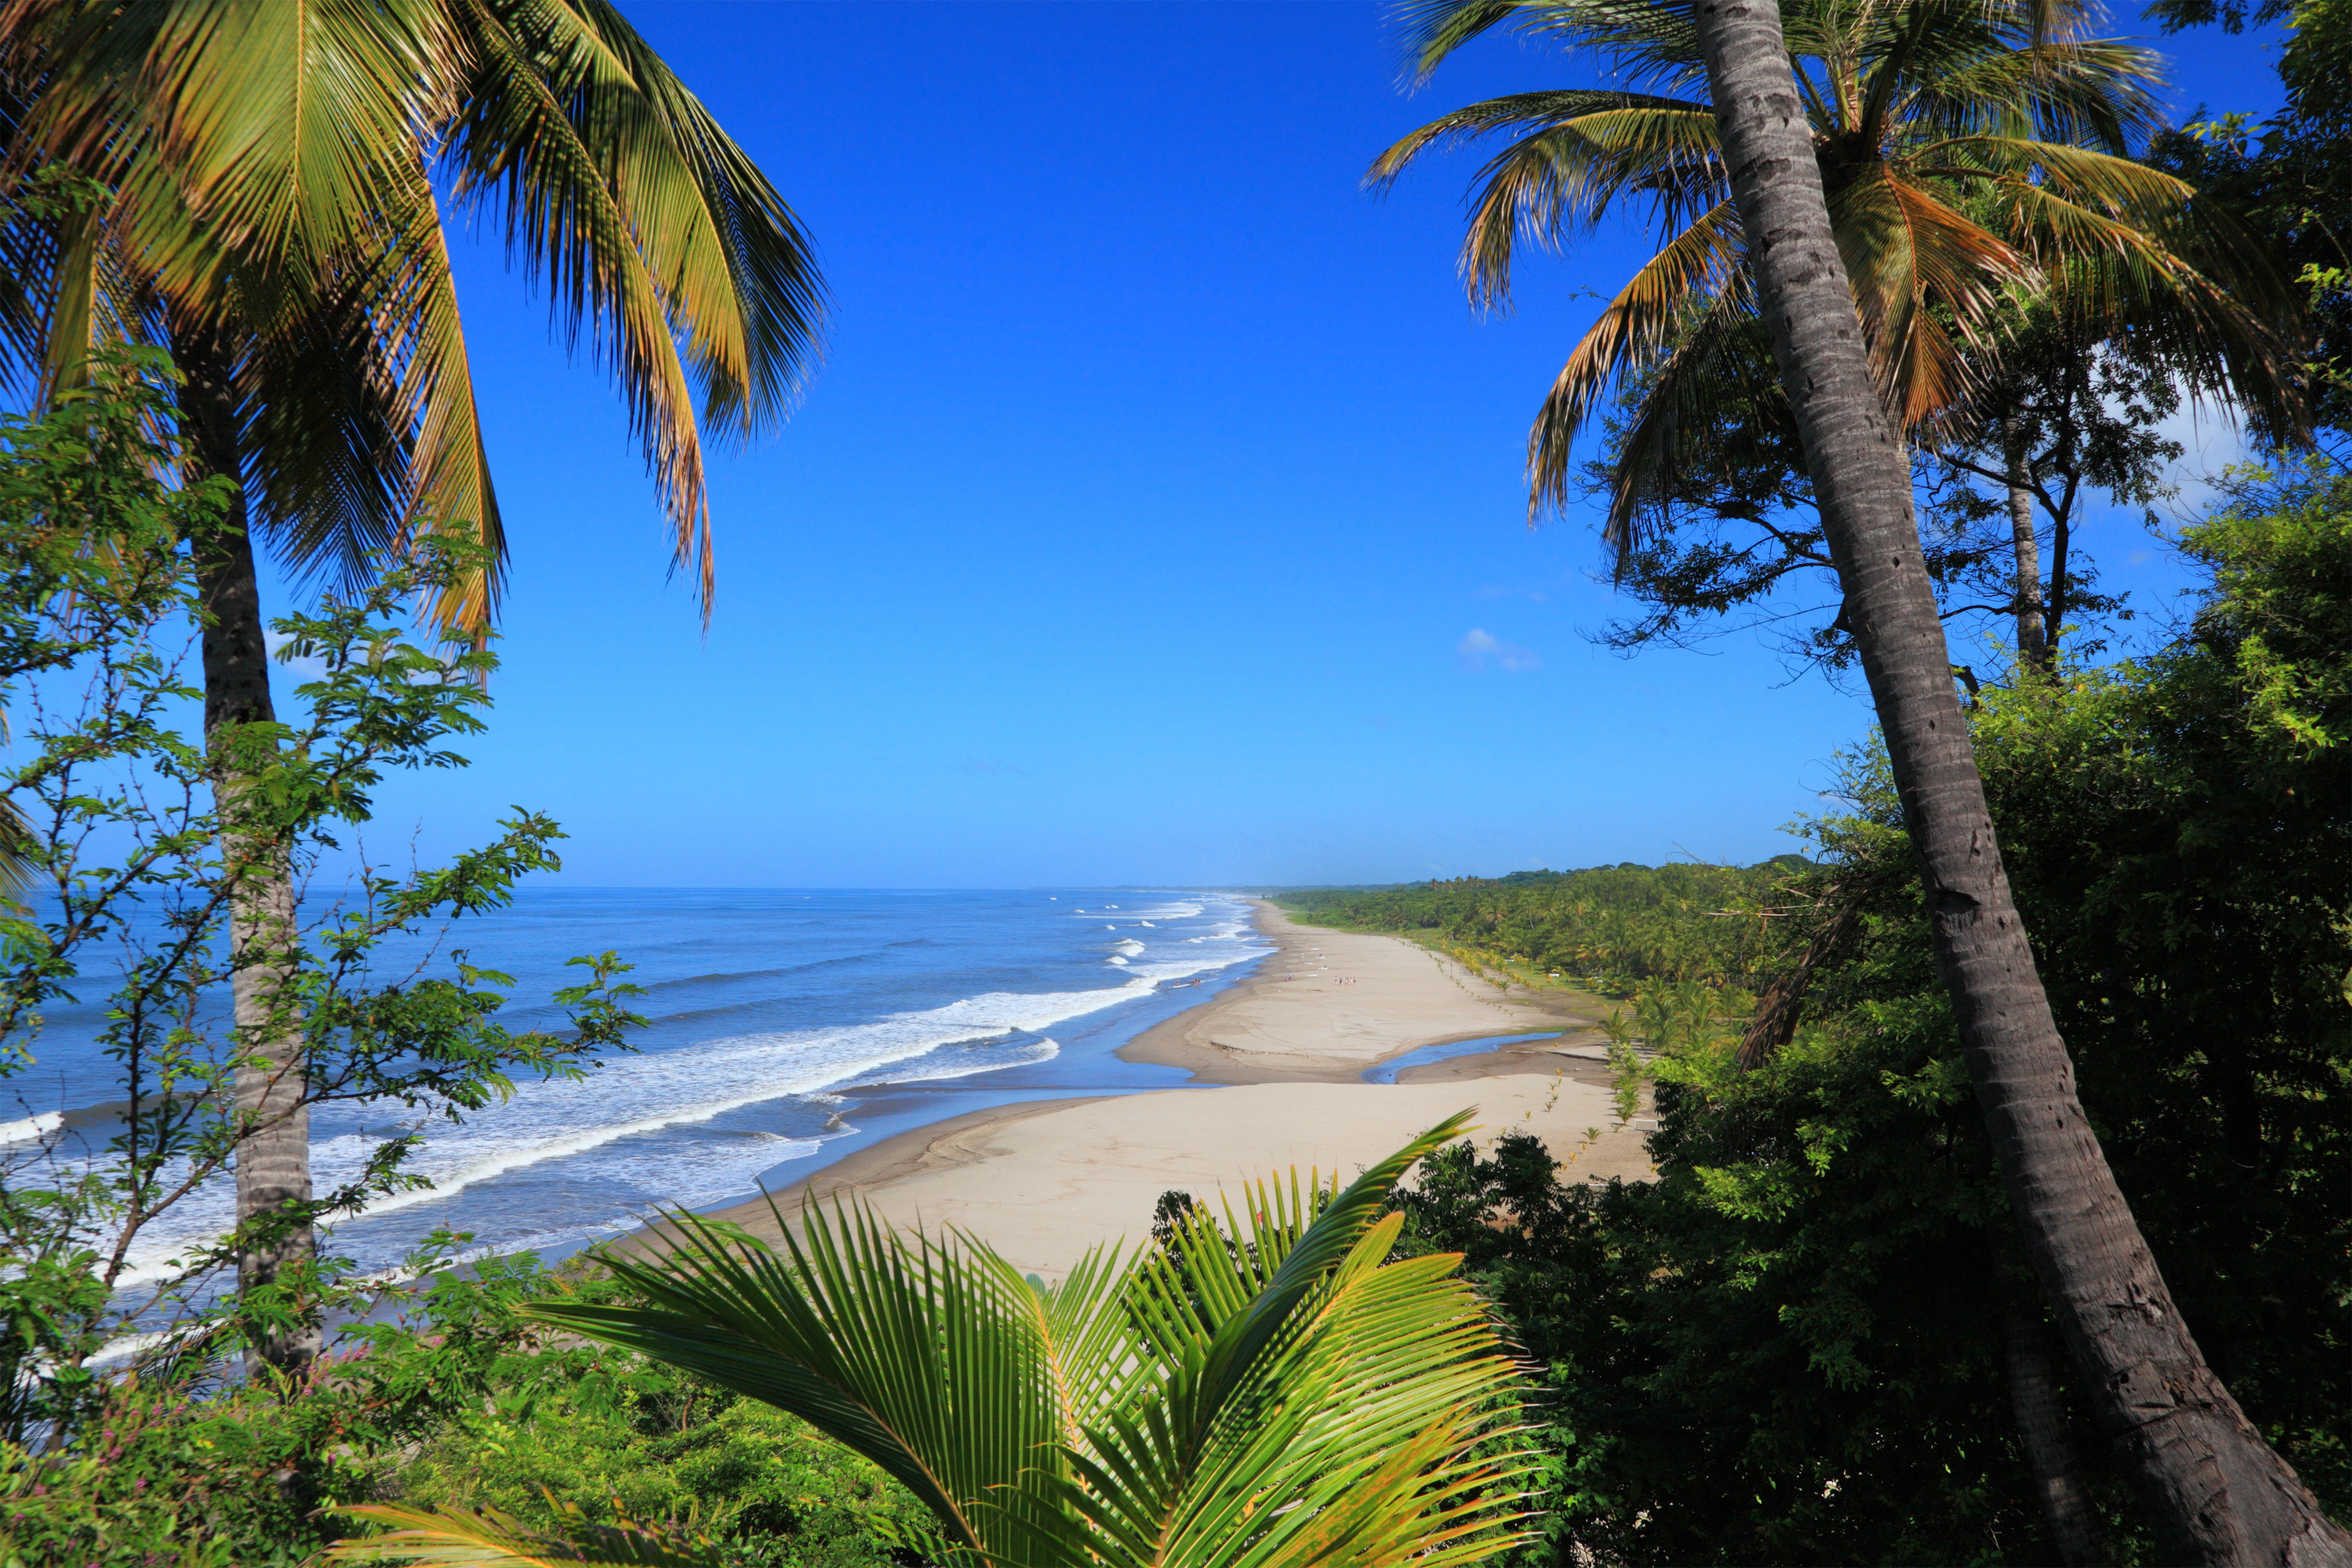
{"x":787,"y":1028}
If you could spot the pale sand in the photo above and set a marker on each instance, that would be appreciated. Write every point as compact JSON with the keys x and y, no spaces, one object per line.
{"x":1294,"y":1019}
{"x":1043,"y":1181}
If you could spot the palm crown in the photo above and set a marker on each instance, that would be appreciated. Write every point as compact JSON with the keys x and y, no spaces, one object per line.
{"x":1973,"y":153}
{"x":276,"y":168}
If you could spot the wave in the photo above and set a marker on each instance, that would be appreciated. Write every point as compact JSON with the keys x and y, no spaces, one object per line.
{"x":33,"y":1128}
{"x":638,"y":1096}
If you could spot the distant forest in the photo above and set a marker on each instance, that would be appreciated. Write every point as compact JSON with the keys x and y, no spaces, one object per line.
{"x":1624,"y":923}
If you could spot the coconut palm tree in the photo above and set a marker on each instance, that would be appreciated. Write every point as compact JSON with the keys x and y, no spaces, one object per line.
{"x":1268,"y":1394}
{"x":2218,"y":1491}
{"x":1973,"y":154}
{"x":260,"y":186}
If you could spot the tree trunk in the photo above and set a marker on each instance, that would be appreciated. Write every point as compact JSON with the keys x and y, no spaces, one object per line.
{"x":2215,"y":1488}
{"x":2032,"y":651}
{"x":2050,"y":1455}
{"x":273,"y":1162}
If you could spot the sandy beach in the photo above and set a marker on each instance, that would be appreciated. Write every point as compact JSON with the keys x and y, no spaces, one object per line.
{"x":1280,"y":1059}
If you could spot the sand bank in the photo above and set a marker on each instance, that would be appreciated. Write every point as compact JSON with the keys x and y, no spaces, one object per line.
{"x":1043,"y":1181}
{"x":1327,"y":1005}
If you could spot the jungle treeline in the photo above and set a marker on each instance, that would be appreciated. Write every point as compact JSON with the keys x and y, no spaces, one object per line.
{"x":1621,"y":925}
{"x":1811,"y":1338}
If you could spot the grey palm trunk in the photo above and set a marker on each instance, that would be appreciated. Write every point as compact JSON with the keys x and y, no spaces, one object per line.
{"x":2217,"y":1493}
{"x":273,"y":1159}
{"x":2033,"y":650}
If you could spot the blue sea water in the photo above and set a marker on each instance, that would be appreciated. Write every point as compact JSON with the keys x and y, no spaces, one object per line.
{"x":1447,"y":1050}
{"x":787,"y":1028}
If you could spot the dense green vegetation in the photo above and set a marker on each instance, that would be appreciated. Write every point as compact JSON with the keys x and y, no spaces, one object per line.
{"x":1612,"y":924}
{"x":451,"y":1399}
{"x":1792,"y":1347}
{"x":1815,"y":1338}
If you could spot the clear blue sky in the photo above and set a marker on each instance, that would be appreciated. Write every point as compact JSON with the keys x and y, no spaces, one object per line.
{"x":1133,"y":530}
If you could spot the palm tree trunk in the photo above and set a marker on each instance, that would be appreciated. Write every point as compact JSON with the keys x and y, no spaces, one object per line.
{"x":2031,"y":650}
{"x":2051,"y":1455}
{"x":273,"y":1162}
{"x":2215,"y":1489}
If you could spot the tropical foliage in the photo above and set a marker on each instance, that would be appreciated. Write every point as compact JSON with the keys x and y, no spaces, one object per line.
{"x":1287,"y":1393}
{"x":1967,"y":150}
{"x":1792,"y":1347}
{"x":1615,"y":925}
{"x":184,"y":175}
{"x":126,"y":886}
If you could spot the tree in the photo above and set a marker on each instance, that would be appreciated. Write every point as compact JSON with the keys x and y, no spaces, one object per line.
{"x":2218,"y":1490}
{"x":2290,"y":179}
{"x":1789,"y":1346}
{"x":2073,"y":418}
{"x":1978,"y":164}
{"x":137,"y":872}
{"x":273,"y":213}
{"x":1280,"y":1394}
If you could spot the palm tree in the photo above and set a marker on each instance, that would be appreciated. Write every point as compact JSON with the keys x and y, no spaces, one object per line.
{"x":260,"y":186}
{"x":1271,"y":1393}
{"x":1974,"y":156}
{"x":2219,"y":1492}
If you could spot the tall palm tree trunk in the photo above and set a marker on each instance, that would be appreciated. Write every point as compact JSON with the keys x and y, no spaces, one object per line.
{"x":2214,"y":1486}
{"x":273,"y":1162}
{"x":2032,"y":651}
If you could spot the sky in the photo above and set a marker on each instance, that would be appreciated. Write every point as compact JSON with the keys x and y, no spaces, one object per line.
{"x":1156,"y":516}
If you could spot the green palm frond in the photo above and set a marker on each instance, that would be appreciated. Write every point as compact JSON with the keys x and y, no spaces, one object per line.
{"x":488,"y":1539}
{"x":2103,"y":95}
{"x":651,"y":227}
{"x":1434,"y":29}
{"x":1275,"y":1393}
{"x":1701,"y":263}
{"x":899,"y":1348}
{"x":1590,"y":150}
{"x":1973,"y":154}
{"x":276,"y":123}
{"x":265,"y":164}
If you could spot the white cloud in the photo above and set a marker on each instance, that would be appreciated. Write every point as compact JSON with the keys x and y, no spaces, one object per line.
{"x":2214,"y":440}
{"x":311,"y":667}
{"x":1481,"y":646}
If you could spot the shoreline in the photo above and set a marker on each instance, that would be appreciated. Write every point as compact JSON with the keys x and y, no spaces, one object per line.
{"x":1277,"y":1062}
{"x":1190,"y":1039}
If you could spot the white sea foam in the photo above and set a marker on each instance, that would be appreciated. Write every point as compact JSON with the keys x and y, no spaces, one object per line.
{"x":632,"y":1095}
{"x":32,"y":1128}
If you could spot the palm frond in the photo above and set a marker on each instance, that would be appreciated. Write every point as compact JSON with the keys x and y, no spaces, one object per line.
{"x":1278,"y":1395}
{"x":1362,"y":1416}
{"x":740,"y":277}
{"x":1715,"y":399}
{"x":275,"y":125}
{"x":1434,"y":29}
{"x":900,"y":1348}
{"x":488,"y":1539}
{"x":656,"y":235}
{"x":1589,"y":149}
{"x":1703,"y":262}
{"x":1905,"y":252}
